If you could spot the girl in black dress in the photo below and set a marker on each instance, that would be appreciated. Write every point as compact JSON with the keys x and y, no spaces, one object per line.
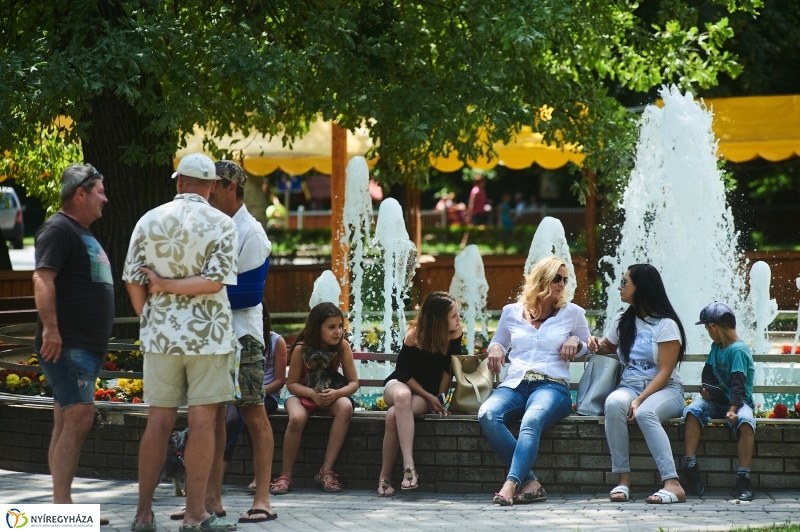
{"x":421,"y":375}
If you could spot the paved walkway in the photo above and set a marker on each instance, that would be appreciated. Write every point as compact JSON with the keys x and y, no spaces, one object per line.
{"x":360,"y":510}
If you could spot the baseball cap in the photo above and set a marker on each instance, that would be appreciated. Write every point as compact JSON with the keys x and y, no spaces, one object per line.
{"x":196,"y":165}
{"x":713,"y":312}
{"x":231,"y":171}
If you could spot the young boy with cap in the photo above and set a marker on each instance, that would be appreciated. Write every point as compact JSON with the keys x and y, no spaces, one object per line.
{"x":727,"y":393}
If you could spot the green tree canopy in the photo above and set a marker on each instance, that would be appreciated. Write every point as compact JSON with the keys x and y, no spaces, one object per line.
{"x":427,"y":76}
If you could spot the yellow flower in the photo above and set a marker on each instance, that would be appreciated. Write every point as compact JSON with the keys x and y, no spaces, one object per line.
{"x":96,"y":384}
{"x":12,"y":381}
{"x":381,"y":404}
{"x":24,"y":381}
{"x":371,"y":338}
{"x":112,"y":358}
{"x":41,"y":377}
{"x":33,"y":360}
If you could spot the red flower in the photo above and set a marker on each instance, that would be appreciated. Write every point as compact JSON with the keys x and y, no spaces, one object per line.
{"x":115,"y":399}
{"x":786,"y":349}
{"x":110,"y":366}
{"x":780,"y":411}
{"x":137,"y":400}
{"x":797,"y":408}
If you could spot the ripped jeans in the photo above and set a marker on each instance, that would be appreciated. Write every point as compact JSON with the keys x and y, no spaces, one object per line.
{"x":539,"y":405}
{"x":73,"y":375}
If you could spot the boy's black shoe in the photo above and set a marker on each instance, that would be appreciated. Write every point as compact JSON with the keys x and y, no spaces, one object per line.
{"x":691,"y":481}
{"x":744,"y":488}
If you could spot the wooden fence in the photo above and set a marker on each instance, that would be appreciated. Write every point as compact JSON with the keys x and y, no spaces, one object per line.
{"x":289,"y":287}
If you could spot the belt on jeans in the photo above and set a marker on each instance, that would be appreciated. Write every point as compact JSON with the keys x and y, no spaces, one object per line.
{"x":533,"y":376}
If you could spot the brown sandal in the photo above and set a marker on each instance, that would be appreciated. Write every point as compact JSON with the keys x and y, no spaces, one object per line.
{"x":408,"y":476}
{"x":329,"y":486}
{"x":385,"y":484}
{"x":280,"y":486}
{"x":536,"y":495}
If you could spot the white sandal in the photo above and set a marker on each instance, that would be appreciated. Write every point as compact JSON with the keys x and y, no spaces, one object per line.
{"x":623,"y":489}
{"x":667,"y":497}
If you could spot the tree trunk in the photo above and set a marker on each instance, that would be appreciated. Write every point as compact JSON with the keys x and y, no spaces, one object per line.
{"x":5,"y":259}
{"x":131,"y":190}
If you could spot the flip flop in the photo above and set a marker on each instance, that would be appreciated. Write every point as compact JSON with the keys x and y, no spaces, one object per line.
{"x":144,"y":527}
{"x":212,"y":524}
{"x":258,"y":511}
{"x":385,"y":484}
{"x":408,"y":476}
{"x":178,"y":516}
{"x":104,"y":521}
{"x":621,"y":489}
{"x":665,"y":497}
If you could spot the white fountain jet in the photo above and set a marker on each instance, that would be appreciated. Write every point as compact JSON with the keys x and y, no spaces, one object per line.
{"x":326,"y":290}
{"x":677,"y":217}
{"x":550,"y":240}
{"x":470,"y":289}
{"x":399,"y":264}
{"x":765,"y":309}
{"x":357,"y":224}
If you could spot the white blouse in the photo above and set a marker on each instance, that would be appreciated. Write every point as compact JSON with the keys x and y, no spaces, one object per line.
{"x":535,"y":349}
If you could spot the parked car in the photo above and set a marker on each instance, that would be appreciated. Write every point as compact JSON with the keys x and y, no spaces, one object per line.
{"x":11,"y":217}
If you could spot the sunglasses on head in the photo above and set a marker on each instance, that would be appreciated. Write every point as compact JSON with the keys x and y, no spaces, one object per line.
{"x":558,"y":278}
{"x":94,"y":174}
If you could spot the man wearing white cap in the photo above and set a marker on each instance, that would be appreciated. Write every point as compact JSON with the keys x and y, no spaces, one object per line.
{"x":181,"y":256}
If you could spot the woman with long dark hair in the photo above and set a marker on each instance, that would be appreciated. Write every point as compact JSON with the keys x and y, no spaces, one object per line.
{"x":650,"y":341}
{"x":421,"y":377}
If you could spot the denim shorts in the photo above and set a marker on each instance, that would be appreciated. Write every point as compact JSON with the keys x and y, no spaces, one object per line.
{"x":706,"y":410}
{"x":73,"y":376}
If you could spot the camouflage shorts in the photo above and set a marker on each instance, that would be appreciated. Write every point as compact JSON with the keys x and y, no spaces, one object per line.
{"x":251,"y":372}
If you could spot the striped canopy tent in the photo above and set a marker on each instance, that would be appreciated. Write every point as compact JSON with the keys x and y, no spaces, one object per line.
{"x":261,"y":156}
{"x":747,"y":128}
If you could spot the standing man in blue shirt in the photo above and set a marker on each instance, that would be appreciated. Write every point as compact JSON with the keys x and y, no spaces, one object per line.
{"x":727,"y":393}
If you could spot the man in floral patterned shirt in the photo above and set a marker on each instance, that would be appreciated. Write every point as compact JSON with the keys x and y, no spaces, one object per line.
{"x":181,"y":256}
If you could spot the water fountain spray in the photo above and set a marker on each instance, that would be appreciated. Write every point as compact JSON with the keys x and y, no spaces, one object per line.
{"x":357,"y":224}
{"x":470,"y":289}
{"x":399,"y":264}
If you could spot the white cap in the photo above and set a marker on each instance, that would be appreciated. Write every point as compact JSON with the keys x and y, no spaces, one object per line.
{"x":196,"y":165}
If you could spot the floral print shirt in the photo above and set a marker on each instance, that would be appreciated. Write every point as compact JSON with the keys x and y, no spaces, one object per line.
{"x":180,"y":239}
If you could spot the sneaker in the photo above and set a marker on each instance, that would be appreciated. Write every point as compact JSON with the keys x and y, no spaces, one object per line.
{"x":744,"y":488}
{"x":691,"y":481}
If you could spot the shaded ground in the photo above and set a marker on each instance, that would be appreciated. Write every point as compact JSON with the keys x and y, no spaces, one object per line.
{"x":360,"y":510}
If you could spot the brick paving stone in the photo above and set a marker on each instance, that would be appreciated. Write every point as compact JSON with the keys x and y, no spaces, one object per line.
{"x":306,"y":509}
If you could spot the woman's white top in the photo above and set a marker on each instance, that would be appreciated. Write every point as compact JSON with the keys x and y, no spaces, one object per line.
{"x":643,"y":358}
{"x":535,"y":349}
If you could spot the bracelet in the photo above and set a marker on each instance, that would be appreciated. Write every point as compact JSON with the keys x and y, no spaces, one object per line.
{"x":580,"y":344}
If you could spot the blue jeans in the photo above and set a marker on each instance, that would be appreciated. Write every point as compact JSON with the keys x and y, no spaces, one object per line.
{"x":704,"y":411}
{"x":73,"y":376}
{"x":540,"y":405}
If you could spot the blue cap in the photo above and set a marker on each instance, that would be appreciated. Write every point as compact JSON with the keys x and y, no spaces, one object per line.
{"x":713,"y":313}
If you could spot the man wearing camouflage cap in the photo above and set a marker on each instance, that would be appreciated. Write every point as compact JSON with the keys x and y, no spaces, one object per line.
{"x":248,"y":326}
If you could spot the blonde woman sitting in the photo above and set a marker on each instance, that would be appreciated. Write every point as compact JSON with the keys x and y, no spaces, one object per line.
{"x":545,"y":333}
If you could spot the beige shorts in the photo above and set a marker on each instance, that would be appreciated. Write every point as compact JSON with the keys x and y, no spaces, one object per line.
{"x":171,"y":381}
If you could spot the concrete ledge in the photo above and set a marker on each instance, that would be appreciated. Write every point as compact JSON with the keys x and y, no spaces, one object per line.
{"x":452,"y":455}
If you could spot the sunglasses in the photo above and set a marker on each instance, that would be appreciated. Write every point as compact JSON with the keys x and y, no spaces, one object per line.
{"x":94,"y":174}
{"x":557,"y":279}
{"x":623,"y":283}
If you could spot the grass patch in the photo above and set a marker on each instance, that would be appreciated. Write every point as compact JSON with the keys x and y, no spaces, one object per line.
{"x":785,"y":527}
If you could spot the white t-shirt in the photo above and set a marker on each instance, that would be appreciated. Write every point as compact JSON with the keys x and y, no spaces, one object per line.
{"x":643,"y":359}
{"x":254,"y":248}
{"x":535,"y":349}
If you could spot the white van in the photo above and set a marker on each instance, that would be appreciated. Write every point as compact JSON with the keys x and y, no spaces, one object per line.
{"x":11,"y":217}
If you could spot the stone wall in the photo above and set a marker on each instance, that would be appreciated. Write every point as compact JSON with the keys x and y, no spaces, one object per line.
{"x":452,"y":455}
